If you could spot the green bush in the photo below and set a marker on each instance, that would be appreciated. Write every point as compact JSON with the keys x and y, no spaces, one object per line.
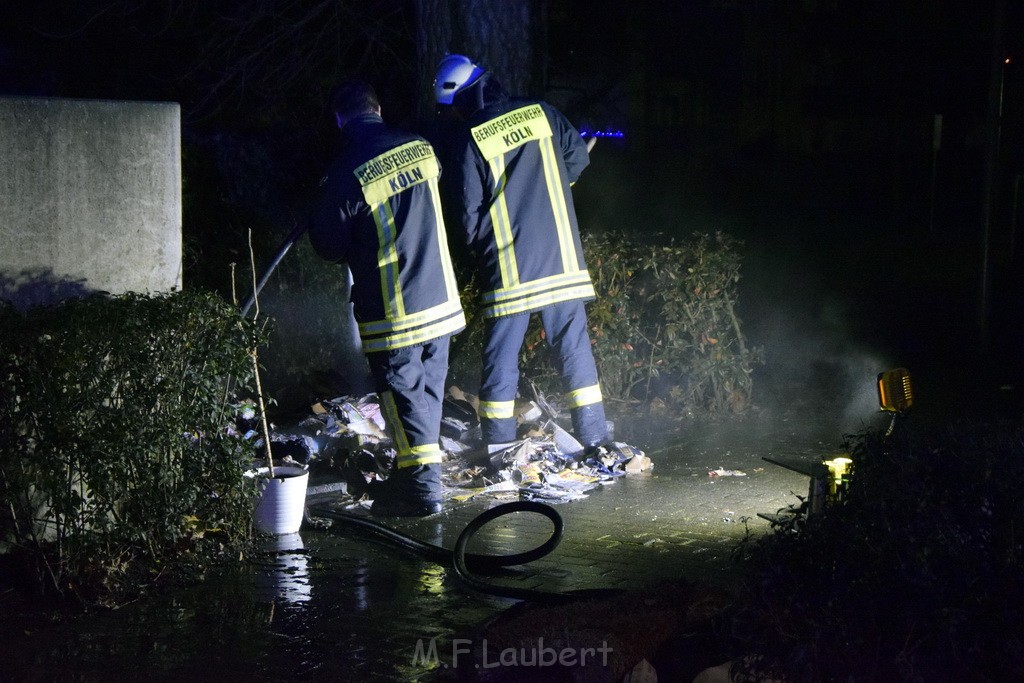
{"x":663,"y":325}
{"x":115,"y":460}
{"x":916,"y":574}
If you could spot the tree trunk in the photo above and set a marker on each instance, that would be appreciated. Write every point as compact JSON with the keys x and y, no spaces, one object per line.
{"x":497,"y":34}
{"x":433,"y":35}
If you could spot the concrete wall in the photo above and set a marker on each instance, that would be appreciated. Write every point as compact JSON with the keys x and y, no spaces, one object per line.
{"x":90,"y":198}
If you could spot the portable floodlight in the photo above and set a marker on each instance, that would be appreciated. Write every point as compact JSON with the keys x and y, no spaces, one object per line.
{"x":830,"y":477}
{"x":895,"y":395}
{"x":894,"y":392}
{"x":839,"y":469}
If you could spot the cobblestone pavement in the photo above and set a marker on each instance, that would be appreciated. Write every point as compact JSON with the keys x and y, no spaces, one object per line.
{"x":331,"y":604}
{"x":673,"y":523}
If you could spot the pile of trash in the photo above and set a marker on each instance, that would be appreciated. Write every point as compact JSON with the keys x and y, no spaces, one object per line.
{"x":345,"y":444}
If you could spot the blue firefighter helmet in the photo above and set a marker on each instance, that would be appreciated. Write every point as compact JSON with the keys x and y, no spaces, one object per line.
{"x":454,"y":74}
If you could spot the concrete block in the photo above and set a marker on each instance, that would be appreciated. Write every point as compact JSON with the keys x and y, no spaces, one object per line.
{"x":90,"y":198}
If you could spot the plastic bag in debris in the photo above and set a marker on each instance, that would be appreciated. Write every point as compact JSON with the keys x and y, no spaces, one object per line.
{"x":550,"y":493}
{"x":572,"y":480}
{"x":377,"y":462}
{"x":450,"y":445}
{"x":535,"y":468}
{"x":346,"y":440}
{"x":601,"y":467}
{"x":458,"y":430}
{"x":296,"y":448}
{"x":564,"y":441}
{"x":364,"y":419}
{"x":460,"y":409}
{"x":518,"y":453}
{"x":720,"y":472}
{"x":316,"y":439}
{"x":528,"y":411}
{"x":358,"y":422}
{"x":547,"y":463}
{"x":630,"y":458}
{"x":543,"y":464}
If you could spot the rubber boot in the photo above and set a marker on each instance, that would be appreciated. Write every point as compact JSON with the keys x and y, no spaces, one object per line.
{"x":409,"y":492}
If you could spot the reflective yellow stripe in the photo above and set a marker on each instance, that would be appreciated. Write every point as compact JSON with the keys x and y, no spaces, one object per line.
{"x":549,"y":283}
{"x":584,"y":396}
{"x":570,"y":263}
{"x":504,"y":240}
{"x":451,"y":286}
{"x":540,"y":300}
{"x":408,"y":456}
{"x":428,"y":456}
{"x":381,"y":178}
{"x":497,"y":410}
{"x":397,"y":328}
{"x":417,"y":336}
{"x":392,"y":422}
{"x":495,"y":139}
{"x":412,"y":320}
{"x":387,"y":260}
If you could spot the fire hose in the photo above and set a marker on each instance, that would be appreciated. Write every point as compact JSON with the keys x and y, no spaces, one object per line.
{"x":465,"y":564}
{"x":296,"y":233}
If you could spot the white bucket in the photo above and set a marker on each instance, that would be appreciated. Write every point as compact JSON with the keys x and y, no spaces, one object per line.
{"x":282,"y":500}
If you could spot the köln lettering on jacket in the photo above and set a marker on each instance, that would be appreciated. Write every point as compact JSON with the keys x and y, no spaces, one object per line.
{"x":397,"y":170}
{"x":510,"y":130}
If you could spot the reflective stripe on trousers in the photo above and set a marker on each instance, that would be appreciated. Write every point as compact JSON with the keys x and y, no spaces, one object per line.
{"x":410,"y":383}
{"x":565,"y":326}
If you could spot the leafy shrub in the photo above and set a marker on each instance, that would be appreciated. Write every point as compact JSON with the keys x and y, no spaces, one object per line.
{"x":914,"y":575}
{"x":664,"y":324}
{"x":114,"y":457}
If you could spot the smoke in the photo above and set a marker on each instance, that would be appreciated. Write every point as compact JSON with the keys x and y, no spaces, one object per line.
{"x":314,"y":349}
{"x":818,"y":360}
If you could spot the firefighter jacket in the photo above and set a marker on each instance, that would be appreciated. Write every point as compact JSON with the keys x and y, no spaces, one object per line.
{"x":514,"y":167}
{"x":381,"y":214}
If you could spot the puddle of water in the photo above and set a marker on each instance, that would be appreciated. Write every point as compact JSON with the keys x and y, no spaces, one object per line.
{"x":313,"y":604}
{"x":329,"y":604}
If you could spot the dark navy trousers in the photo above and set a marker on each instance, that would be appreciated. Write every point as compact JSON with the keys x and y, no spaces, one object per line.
{"x":410,"y":384}
{"x":565,"y":327}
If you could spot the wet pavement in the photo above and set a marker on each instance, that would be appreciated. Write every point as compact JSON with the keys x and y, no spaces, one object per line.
{"x":329,"y":603}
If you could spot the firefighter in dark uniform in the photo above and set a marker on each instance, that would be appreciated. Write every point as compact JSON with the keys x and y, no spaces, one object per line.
{"x":380,"y":213}
{"x":513,"y":166}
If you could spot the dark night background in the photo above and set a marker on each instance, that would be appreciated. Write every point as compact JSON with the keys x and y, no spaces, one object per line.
{"x":804,"y":128}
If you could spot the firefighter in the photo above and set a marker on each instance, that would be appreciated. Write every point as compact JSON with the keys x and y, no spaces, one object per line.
{"x":514,"y":161}
{"x":380,"y":213}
